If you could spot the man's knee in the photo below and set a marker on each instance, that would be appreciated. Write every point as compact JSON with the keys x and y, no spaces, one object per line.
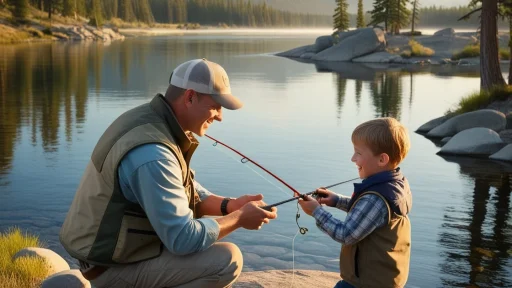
{"x":233,"y":260}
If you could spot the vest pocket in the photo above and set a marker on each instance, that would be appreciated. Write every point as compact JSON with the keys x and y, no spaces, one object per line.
{"x":137,"y":240}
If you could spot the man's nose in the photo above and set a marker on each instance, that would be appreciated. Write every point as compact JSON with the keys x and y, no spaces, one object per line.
{"x":218,"y":117}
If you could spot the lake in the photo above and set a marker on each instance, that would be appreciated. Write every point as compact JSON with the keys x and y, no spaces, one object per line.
{"x":56,"y":99}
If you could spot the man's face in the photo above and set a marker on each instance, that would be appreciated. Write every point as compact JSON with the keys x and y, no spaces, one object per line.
{"x":203,"y":111}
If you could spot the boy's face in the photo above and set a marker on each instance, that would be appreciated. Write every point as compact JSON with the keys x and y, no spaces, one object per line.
{"x":367,"y":163}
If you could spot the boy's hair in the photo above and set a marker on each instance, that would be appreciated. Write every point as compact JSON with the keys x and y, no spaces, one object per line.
{"x":384,"y":135}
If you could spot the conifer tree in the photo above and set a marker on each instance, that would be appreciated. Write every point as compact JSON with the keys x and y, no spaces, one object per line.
{"x":360,"y":14}
{"x":341,"y":20}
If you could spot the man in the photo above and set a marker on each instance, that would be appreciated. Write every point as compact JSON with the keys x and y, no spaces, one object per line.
{"x":136,"y":220}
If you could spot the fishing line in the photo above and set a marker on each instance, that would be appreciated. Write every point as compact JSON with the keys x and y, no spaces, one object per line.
{"x":248,"y":166}
{"x":301,"y":230}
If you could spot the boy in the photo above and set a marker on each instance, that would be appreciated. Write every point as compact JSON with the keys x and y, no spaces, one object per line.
{"x":376,"y":234}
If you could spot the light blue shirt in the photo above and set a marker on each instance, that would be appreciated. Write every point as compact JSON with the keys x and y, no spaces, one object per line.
{"x":150,"y":175}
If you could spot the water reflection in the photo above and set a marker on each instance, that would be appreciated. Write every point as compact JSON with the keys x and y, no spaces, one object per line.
{"x":37,"y":86}
{"x":476,"y":240}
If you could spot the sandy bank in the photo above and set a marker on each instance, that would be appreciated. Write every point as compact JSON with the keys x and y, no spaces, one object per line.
{"x":283,"y":278}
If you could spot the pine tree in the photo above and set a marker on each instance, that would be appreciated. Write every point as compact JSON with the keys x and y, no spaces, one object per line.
{"x":20,"y":10}
{"x":68,"y":8}
{"x":341,"y":19}
{"x":126,"y":11}
{"x":415,"y":15}
{"x":360,"y":14}
{"x":96,"y":13}
{"x":379,"y":14}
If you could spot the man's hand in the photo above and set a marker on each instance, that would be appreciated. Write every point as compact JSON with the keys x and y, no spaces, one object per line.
{"x":308,"y":205}
{"x":252,"y":217}
{"x":235,"y":204}
{"x":327,"y":197}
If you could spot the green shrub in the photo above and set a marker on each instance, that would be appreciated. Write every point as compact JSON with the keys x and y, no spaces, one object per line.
{"x":469,"y":51}
{"x":505,"y":54}
{"x":419,"y":50}
{"x":480,"y":100}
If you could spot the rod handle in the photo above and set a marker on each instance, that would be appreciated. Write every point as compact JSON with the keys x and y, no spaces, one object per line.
{"x":267,"y":207}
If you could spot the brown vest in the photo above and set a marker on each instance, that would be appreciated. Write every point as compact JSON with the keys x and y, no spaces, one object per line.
{"x":102,"y":227}
{"x":381,"y":259}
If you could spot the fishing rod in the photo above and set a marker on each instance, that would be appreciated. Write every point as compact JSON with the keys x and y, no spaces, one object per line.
{"x":246,"y":159}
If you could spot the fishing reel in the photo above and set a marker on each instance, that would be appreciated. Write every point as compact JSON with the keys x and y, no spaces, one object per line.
{"x":302,"y":230}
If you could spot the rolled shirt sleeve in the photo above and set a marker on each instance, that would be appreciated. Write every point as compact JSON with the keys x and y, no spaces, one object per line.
{"x":151,"y":176}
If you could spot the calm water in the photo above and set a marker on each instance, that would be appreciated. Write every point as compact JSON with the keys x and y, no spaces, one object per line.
{"x":57,"y":99}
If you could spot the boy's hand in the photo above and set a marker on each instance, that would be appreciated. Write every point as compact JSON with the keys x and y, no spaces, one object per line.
{"x":308,"y":205}
{"x":327,"y":197}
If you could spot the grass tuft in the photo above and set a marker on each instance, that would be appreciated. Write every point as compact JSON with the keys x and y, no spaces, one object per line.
{"x":480,"y":100}
{"x":25,"y":271}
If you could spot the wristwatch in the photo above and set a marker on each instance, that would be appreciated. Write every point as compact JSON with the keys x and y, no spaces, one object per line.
{"x":224,"y":205}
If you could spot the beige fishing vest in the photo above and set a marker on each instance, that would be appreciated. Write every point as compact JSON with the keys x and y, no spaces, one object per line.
{"x":381,"y":259}
{"x":102,"y":227}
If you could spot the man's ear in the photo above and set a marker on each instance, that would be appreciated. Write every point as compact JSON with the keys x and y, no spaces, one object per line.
{"x":383,"y":159}
{"x":188,"y":97}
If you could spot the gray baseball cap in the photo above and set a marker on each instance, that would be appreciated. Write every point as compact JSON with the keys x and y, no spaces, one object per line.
{"x":206,"y":77}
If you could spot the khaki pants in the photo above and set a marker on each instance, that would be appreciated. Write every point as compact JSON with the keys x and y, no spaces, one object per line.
{"x":218,"y":266}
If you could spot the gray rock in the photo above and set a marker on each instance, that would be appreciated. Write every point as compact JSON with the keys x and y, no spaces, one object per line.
{"x":474,"y":141}
{"x":358,"y":43}
{"x":323,"y":42}
{"x":486,"y":118}
{"x":379,"y":57}
{"x":445,"y":140}
{"x":66,"y":279}
{"x":509,"y":120}
{"x":506,"y":136}
{"x":55,"y":262}
{"x":297,"y":52}
{"x":307,"y":55}
{"x":445,"y":32}
{"x":432,"y":124}
{"x":504,"y":154}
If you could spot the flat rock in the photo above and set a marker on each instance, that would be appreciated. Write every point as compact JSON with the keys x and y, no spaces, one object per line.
{"x":504,"y":154}
{"x":432,"y":124}
{"x":475,"y":142}
{"x":285,"y":278}
{"x":66,"y":279}
{"x":379,"y":57}
{"x":485,"y":118}
{"x":354,"y":44}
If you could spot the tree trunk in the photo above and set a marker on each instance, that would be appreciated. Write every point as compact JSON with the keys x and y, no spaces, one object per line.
{"x":510,"y":49}
{"x":41,"y":6}
{"x":490,"y":71}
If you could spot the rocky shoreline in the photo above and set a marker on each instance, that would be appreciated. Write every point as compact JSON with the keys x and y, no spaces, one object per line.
{"x":485,"y":133}
{"x":372,"y":45}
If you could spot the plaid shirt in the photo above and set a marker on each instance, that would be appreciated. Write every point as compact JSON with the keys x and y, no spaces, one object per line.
{"x":368,"y":214}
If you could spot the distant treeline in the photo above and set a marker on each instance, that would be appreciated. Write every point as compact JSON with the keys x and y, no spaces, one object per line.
{"x":447,"y":17}
{"x":230,"y":12}
{"x":206,"y":12}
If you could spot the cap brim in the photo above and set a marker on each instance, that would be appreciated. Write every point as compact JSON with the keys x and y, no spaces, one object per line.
{"x":228,"y":101}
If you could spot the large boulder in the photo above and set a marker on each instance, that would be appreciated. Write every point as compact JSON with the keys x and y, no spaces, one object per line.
{"x":323,"y":42}
{"x":354,"y":44}
{"x":485,"y":118}
{"x":297,"y":52}
{"x":378,"y":57}
{"x":445,"y":32}
{"x":432,"y":124}
{"x":53,"y":260}
{"x":474,"y":141}
{"x":505,"y":154}
{"x":66,"y":279}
